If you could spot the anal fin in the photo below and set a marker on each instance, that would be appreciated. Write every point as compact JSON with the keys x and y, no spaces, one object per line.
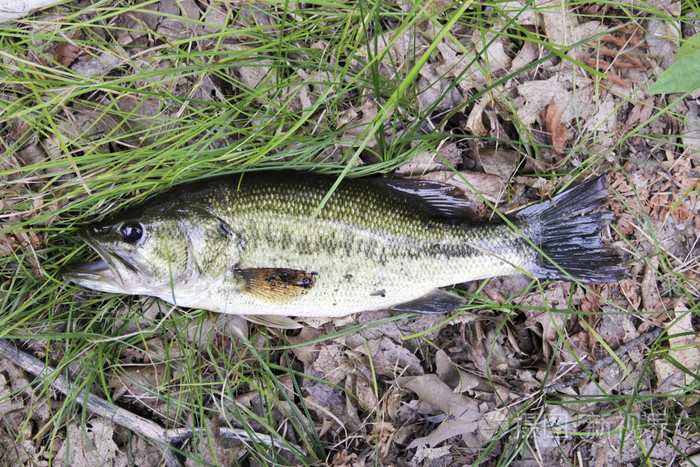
{"x":437,"y":301}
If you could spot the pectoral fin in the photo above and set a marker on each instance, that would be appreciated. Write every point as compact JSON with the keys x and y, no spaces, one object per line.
{"x":277,"y":285}
{"x":437,"y":301}
{"x":274,"y":321}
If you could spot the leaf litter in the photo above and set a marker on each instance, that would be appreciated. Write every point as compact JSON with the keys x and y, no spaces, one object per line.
{"x":525,"y":362}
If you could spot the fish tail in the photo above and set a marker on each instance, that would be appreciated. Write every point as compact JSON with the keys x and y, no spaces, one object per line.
{"x":569,"y":236}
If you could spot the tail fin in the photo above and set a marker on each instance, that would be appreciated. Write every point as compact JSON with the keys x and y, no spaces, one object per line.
{"x":570,"y":235}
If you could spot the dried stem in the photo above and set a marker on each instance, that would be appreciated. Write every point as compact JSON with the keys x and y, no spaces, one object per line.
{"x":139,"y":425}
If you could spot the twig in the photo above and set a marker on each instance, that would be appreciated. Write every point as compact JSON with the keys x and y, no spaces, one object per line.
{"x":122,"y":417}
{"x":593,"y":370}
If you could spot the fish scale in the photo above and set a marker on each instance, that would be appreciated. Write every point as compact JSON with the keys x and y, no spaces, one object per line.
{"x":258,"y":244}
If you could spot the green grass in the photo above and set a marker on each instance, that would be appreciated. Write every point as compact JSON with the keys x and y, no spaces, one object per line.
{"x":180,"y":108}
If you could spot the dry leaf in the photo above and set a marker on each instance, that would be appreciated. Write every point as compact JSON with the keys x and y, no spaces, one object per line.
{"x":497,"y":57}
{"x":440,"y":94}
{"x":360,"y":386}
{"x":641,"y":112}
{"x":526,"y":55}
{"x":464,"y":412}
{"x":253,"y":75}
{"x":429,"y":161}
{"x":541,"y":318}
{"x":67,"y":52}
{"x":404,"y":50}
{"x":564,"y":29}
{"x":357,"y":119}
{"x":651,"y":299}
{"x":333,"y":363}
{"x":548,"y":437}
{"x":684,"y":347}
{"x":458,"y":65}
{"x":475,"y":121}
{"x":390,"y":358}
{"x":97,"y":65}
{"x":89,"y":445}
{"x":557,"y":131}
{"x":345,"y":459}
{"x":425,"y":453}
{"x":498,"y":161}
{"x":306,"y":353}
{"x":538,"y":94}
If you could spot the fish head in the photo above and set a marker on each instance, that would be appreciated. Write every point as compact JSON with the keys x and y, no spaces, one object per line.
{"x":166,"y":254}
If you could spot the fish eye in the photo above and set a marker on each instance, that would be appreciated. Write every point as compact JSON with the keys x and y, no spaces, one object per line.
{"x":131,"y":231}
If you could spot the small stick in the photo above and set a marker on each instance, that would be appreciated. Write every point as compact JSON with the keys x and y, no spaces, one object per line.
{"x":137,"y":424}
{"x":593,"y":370}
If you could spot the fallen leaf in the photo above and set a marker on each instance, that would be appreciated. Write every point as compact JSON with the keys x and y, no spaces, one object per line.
{"x":430,"y":161}
{"x":389,"y":358}
{"x":641,"y":112}
{"x":526,"y":55}
{"x":424,"y":453}
{"x":548,"y":435}
{"x":496,"y":54}
{"x":67,"y":52}
{"x":13,"y":10}
{"x":475,"y":121}
{"x":651,"y":299}
{"x":345,"y":459}
{"x":684,"y":348}
{"x":557,"y":131}
{"x":491,"y":187}
{"x":90,"y":444}
{"x":498,"y":161}
{"x":565,"y":29}
{"x":539,"y":308}
{"x":440,"y":95}
{"x":464,"y":414}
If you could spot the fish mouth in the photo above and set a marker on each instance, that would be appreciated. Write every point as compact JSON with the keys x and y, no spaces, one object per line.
{"x":103,"y":274}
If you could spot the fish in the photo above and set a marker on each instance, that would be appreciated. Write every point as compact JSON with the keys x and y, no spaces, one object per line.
{"x":271,"y":245}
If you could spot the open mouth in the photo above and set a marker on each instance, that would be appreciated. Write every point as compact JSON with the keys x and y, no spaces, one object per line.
{"x":102,"y":275}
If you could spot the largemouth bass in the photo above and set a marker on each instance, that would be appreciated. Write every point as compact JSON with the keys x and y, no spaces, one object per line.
{"x":257,"y":245}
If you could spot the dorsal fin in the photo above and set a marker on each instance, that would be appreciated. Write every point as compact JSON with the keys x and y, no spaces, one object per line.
{"x":439,"y":198}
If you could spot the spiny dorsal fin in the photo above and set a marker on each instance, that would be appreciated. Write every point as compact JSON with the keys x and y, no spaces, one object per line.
{"x":278,"y":285}
{"x":439,"y":198}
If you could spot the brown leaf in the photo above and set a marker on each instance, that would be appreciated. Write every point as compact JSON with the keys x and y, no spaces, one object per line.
{"x":67,"y":52}
{"x":361,"y":386}
{"x":498,"y":161}
{"x":475,"y":121}
{"x":640,"y":112}
{"x":684,"y":349}
{"x":464,"y":412}
{"x":389,"y":357}
{"x":557,"y":131}
{"x":651,"y":298}
{"x":345,"y":459}
{"x":430,"y":161}
{"x":540,"y":317}
{"x":431,"y":389}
